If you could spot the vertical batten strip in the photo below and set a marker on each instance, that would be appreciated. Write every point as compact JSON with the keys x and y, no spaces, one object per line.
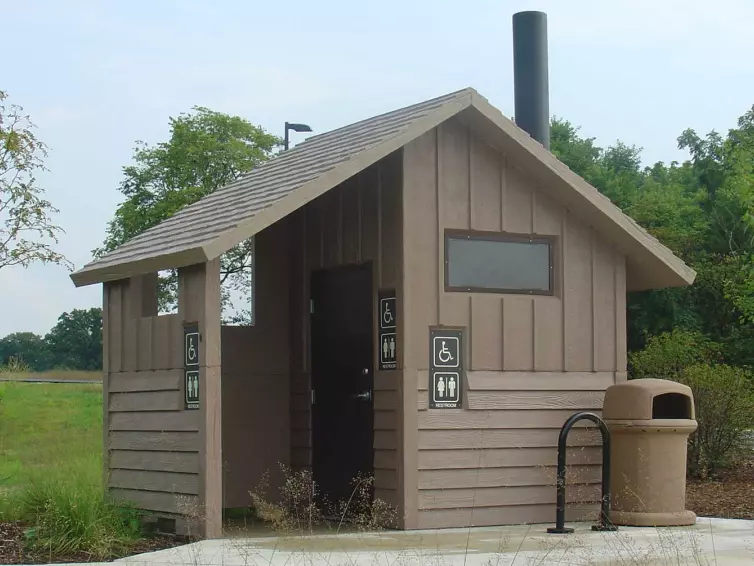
{"x":616,"y":306}
{"x":121,"y":322}
{"x":305,"y":295}
{"x":470,"y":164}
{"x":469,"y":153}
{"x":360,"y":212}
{"x":593,"y":251}
{"x":106,"y":384}
{"x":341,"y":240}
{"x":620,"y":312}
{"x":470,"y":335}
{"x":379,"y":226}
{"x":503,"y":190}
{"x":533,"y":335}
{"x":321,"y":228}
{"x":533,"y":193}
{"x":440,"y":274}
{"x":502,"y":332}
{"x":564,"y":286}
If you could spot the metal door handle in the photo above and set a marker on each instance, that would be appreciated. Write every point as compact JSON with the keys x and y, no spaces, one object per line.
{"x":363,"y":396}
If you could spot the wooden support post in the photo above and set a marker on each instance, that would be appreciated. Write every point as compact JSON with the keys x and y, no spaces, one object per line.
{"x":106,"y":288}
{"x":199,"y":302}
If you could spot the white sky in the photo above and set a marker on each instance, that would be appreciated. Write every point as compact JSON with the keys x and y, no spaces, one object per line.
{"x":97,"y":76}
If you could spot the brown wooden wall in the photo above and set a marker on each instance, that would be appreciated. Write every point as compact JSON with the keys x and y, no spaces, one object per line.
{"x":255,"y":378}
{"x":359,"y":221}
{"x":159,"y":456}
{"x":152,"y":444}
{"x":531,"y":360}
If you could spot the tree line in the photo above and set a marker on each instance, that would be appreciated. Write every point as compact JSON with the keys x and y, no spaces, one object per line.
{"x":74,"y":343}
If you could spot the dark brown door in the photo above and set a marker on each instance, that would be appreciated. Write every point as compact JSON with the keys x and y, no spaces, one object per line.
{"x":342,"y":378}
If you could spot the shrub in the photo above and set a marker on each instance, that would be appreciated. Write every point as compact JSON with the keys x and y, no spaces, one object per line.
{"x":300,"y":508}
{"x":15,"y":364}
{"x":666,"y":356}
{"x":71,"y":515}
{"x":724,"y":402}
{"x":294,"y":509}
{"x":723,"y":395}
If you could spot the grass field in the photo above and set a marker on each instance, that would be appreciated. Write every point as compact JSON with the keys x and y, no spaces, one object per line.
{"x":47,"y":430}
{"x":51,"y":476}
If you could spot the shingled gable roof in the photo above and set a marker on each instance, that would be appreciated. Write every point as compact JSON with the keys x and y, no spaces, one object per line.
{"x":232,"y":214}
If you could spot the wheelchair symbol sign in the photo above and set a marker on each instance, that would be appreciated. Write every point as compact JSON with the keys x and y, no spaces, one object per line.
{"x":387,"y":312}
{"x":445,"y":351}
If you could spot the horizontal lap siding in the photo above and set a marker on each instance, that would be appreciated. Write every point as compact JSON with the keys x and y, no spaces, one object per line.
{"x":532,"y":361}
{"x":169,"y":482}
{"x":164,"y":461}
{"x":500,"y":451}
{"x":356,"y":222}
{"x":152,"y":443}
{"x":386,"y":434}
{"x":158,"y":502}
{"x":501,"y":515}
{"x":447,"y":459}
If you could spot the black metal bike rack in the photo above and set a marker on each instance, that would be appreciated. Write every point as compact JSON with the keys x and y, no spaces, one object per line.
{"x":604,"y":523}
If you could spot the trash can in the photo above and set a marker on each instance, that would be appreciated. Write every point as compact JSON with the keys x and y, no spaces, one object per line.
{"x":649,"y":421}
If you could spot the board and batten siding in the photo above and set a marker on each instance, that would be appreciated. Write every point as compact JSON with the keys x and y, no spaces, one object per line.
{"x":358,"y":221}
{"x":255,"y":378}
{"x":152,"y":443}
{"x":531,"y":360}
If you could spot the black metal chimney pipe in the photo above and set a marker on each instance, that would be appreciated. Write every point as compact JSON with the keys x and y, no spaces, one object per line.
{"x":530,"y":75}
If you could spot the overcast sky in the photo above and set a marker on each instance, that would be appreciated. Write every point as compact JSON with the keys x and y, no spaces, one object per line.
{"x":97,"y":76}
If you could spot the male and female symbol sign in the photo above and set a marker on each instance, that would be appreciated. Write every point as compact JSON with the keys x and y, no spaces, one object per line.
{"x":446,"y":358}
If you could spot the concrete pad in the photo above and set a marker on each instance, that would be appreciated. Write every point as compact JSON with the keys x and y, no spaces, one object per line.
{"x":709,"y":541}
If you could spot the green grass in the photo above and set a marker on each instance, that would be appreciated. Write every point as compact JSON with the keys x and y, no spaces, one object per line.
{"x":51,"y":470}
{"x":46,"y":429}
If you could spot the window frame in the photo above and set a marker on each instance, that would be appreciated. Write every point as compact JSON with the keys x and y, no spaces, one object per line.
{"x":481,"y":235}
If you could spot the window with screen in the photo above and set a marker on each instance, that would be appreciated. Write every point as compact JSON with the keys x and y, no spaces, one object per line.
{"x":498,"y":263}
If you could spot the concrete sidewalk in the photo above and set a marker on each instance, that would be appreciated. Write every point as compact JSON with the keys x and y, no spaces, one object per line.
{"x":710,"y":541}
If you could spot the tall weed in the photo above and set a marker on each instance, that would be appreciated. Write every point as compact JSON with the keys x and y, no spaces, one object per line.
{"x":15,"y":364}
{"x":300,"y":508}
{"x":71,"y":515}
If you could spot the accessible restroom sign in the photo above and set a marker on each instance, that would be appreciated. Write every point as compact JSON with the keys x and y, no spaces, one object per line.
{"x":191,"y":365}
{"x":445,"y":368}
{"x":388,"y":326}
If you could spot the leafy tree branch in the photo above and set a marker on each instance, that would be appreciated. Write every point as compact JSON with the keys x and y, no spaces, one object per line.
{"x":27,"y":232}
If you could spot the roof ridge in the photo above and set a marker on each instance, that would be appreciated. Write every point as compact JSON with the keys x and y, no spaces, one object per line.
{"x":449,"y":96}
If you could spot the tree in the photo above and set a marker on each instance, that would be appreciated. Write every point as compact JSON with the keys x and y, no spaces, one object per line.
{"x":580,"y":154}
{"x":27,"y":233}
{"x":75,"y":342}
{"x":703,"y":209}
{"x":206,"y":151}
{"x":27,"y":347}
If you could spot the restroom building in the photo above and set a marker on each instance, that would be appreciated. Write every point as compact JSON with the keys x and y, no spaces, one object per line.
{"x":434,"y":293}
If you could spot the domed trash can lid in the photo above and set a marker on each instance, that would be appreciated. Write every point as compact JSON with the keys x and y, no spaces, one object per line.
{"x":648,"y":399}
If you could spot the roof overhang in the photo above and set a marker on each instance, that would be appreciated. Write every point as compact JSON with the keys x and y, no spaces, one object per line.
{"x":101,"y":273}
